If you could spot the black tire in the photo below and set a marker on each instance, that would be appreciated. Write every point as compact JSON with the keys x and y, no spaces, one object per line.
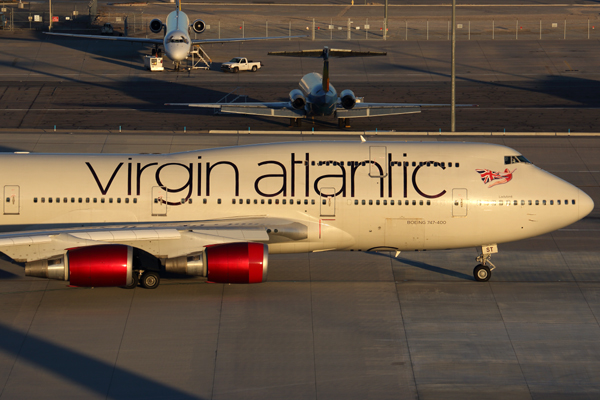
{"x":236,"y":70}
{"x":153,"y":52}
{"x":136,"y":281}
{"x":158,"y":53}
{"x":482,"y":273}
{"x":254,"y":69}
{"x":150,"y":280}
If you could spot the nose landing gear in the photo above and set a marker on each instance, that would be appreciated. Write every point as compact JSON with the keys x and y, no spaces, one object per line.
{"x":483,"y":273}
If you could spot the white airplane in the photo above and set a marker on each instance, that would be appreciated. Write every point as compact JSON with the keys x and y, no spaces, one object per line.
{"x":107,"y":220}
{"x":177,"y":42}
{"x":318,"y":97}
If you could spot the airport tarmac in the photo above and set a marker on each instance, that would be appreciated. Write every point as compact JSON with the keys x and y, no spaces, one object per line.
{"x":535,"y":86}
{"x":325,"y":325}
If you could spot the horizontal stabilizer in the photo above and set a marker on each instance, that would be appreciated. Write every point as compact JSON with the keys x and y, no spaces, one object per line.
{"x":104,"y":37}
{"x":264,"y":111}
{"x":248,"y":39}
{"x":332,"y":53}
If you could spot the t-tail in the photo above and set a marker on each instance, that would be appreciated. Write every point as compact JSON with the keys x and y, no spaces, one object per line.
{"x":325,"y":53}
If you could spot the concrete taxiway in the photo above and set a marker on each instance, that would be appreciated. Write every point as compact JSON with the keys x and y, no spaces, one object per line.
{"x":326,"y":325}
{"x":536,"y":86}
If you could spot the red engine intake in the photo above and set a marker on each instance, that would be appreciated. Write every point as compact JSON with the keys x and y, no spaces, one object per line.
{"x":102,"y":265}
{"x":237,"y":263}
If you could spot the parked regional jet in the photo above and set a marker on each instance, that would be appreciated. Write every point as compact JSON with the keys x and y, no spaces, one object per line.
{"x":176,"y":42}
{"x":106,"y":220}
{"x":318,"y":97}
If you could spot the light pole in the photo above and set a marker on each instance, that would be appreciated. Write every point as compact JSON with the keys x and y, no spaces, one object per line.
{"x":50,"y":8}
{"x":453,"y":70}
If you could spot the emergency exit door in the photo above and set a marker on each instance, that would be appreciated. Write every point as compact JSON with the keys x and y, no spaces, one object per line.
{"x":11,"y":200}
{"x":159,"y":201}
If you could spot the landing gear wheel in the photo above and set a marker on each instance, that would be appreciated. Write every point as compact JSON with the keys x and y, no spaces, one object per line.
{"x":254,"y":69}
{"x":150,"y":280}
{"x":135,"y":282}
{"x":158,"y":52}
{"x":482,"y":273}
{"x":153,"y":52}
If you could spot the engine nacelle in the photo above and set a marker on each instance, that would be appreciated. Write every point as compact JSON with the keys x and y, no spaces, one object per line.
{"x":198,"y":26}
{"x":225,"y":263}
{"x":156,"y":25}
{"x":348,"y":99}
{"x":297,"y":99}
{"x":93,"y":266}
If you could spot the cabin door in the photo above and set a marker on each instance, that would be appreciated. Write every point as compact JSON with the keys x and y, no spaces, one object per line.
{"x":159,"y":201}
{"x":459,"y":202}
{"x":327,"y":202}
{"x":11,"y":200}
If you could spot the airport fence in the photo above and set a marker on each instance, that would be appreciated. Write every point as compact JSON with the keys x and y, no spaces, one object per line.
{"x":75,"y":16}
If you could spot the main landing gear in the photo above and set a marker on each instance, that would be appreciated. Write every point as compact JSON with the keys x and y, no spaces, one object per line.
{"x":295,"y":122}
{"x":483,"y":273}
{"x":156,"y":52}
{"x":146,"y":279}
{"x":343,"y":123}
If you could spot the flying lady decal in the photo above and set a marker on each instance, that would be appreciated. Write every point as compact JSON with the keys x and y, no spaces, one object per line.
{"x":495,"y":178}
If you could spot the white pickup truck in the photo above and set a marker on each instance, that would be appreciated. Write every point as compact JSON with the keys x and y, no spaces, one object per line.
{"x":238,"y":64}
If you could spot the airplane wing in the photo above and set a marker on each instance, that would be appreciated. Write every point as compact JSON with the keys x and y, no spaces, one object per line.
{"x":164,"y":240}
{"x":103,"y":37}
{"x":363,"y":110}
{"x":276,"y":109}
{"x":202,"y":41}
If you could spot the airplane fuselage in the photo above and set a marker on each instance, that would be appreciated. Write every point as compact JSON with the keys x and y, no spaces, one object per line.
{"x":318,"y":101}
{"x":177,"y":42}
{"x":326,"y":195}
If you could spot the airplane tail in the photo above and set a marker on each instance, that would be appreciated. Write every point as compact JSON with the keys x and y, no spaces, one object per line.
{"x":325,"y":53}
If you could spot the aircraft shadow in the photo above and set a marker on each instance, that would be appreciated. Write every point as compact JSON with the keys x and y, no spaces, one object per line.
{"x":82,"y":370}
{"x":424,"y":266}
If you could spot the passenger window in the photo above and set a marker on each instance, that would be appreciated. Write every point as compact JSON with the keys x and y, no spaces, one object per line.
{"x":127,"y":200}
{"x":414,"y":202}
{"x":370,"y":202}
{"x":355,"y":202}
{"x":537,"y":202}
{"x":305,"y":201}
{"x":363,"y":202}
{"x":58,"y":199}
{"x":324,"y":202}
{"x":276,"y":201}
{"x":270,"y":201}
{"x":522,"y":202}
{"x":529,"y":202}
{"x":218,"y":201}
{"x":312,"y":202}
{"x":247,"y":201}
{"x":102,"y":200}
{"x":573,"y":201}
{"x":420,"y":202}
{"x":428,"y":202}
{"x":558,"y":202}
{"x":500,"y":202}
{"x":203,"y":201}
{"x":49,"y":199}
{"x":190,"y":201}
{"x":551,"y":202}
{"x":377,"y":202}
{"x":385,"y":202}
{"x":515,"y":203}
{"x":65,"y":200}
{"x":43,"y":199}
{"x":406,"y":202}
{"x":456,"y":165}
{"x":72,"y":199}
{"x":391,"y":202}
{"x":118,"y":200}
{"x":135,"y":200}
{"x":35,"y":199}
{"x":110,"y":200}
{"x":543,"y":202}
{"x":255,"y":201}
{"x":80,"y":200}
